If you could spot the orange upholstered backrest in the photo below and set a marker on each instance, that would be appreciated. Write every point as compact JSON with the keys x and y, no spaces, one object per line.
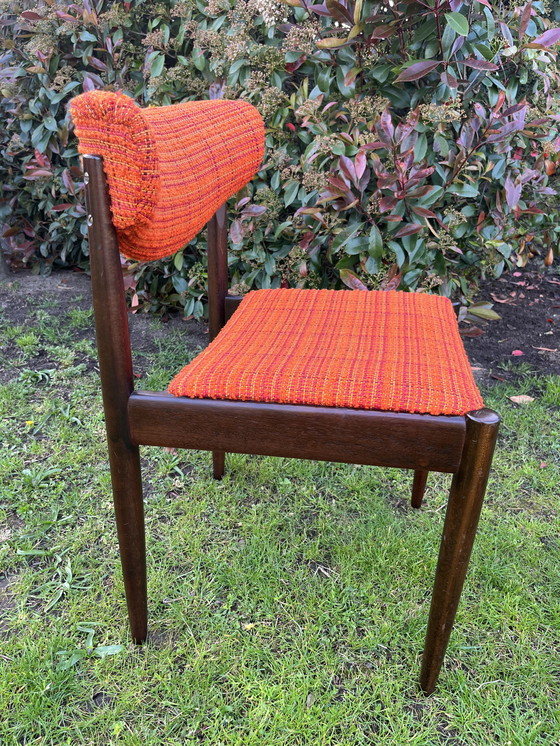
{"x":169,"y":168}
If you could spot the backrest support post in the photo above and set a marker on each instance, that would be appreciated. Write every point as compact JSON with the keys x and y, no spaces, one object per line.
{"x":109,"y":303}
{"x":217,"y":270}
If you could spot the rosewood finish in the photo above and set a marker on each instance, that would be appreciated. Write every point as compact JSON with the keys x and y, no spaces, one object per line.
{"x":460,"y":445}
{"x":408,"y":441}
{"x":115,"y":369}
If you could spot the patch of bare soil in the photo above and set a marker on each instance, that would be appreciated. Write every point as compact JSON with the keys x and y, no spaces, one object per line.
{"x":62,"y":291}
{"x":528,"y":302}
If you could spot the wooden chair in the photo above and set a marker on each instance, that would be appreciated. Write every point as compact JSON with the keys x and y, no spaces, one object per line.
{"x":461,"y":444}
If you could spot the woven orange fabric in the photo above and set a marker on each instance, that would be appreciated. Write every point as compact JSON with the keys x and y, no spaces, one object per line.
{"x":169,"y":168}
{"x":390,"y":351}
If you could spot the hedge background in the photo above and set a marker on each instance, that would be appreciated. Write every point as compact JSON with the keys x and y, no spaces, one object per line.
{"x":411,"y":145}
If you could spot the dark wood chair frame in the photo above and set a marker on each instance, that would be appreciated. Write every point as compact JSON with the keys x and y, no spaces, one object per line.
{"x":461,"y":445}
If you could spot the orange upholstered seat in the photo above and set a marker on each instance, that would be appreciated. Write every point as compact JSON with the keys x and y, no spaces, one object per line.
{"x":169,"y":168}
{"x":389,"y":351}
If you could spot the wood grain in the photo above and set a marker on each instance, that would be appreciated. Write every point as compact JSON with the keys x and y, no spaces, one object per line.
{"x":409,"y":441}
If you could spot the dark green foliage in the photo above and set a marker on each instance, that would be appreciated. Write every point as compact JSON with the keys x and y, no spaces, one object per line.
{"x":409,"y":145}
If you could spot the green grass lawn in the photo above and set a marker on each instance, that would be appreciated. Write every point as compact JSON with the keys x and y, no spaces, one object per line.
{"x":288,"y":603}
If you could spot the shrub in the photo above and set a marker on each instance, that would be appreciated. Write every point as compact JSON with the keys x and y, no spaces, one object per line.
{"x":411,"y":144}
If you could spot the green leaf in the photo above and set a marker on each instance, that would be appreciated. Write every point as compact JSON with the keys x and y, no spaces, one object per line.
{"x":464,"y":190}
{"x":421,"y":148}
{"x":342,"y":238}
{"x":180,"y":284}
{"x":51,"y":124}
{"x":178,"y":260}
{"x":375,"y":245}
{"x":290,"y":192}
{"x":86,"y":36}
{"x":484,"y":311}
{"x":101,"y":651}
{"x":156,"y":67}
{"x":442,"y":144}
{"x":490,"y":23}
{"x":458,"y":23}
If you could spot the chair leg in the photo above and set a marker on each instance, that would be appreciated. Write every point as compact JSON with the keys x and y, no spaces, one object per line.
{"x":129,"y":511}
{"x":461,"y":520}
{"x":218,"y":464}
{"x":418,"y":488}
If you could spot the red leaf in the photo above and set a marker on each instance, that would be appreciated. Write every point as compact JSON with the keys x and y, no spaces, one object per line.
{"x":525,"y":18}
{"x":448,"y":79}
{"x":62,"y":206}
{"x":373,"y":146}
{"x":471,"y":331}
{"x":347,"y":167}
{"x":351,"y":280}
{"x":417,"y":71}
{"x":424,"y":212}
{"x":517,"y":353}
{"x":30,"y":15}
{"x":382,"y":32}
{"x":97,"y":64}
{"x":479,"y":64}
{"x":513,"y":192}
{"x":387,"y":203}
{"x":360,"y":163}
{"x":254,"y":210}
{"x":236,"y":232}
{"x":500,"y":102}
{"x":550,"y":37}
{"x":291,"y":67}
{"x":66,"y":16}
{"x":393,"y":279}
{"x":420,"y":192}
{"x":339,"y":12}
{"x":409,"y":229}
{"x":386,"y":123}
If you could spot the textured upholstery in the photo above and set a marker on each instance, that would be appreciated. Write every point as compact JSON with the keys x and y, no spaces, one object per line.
{"x":169,"y":168}
{"x":390,"y":351}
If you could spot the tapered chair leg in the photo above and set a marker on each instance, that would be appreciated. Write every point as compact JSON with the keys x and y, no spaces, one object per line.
{"x":218,"y":464}
{"x":129,"y":512}
{"x":461,"y":520}
{"x":117,"y":383}
{"x":418,"y":488}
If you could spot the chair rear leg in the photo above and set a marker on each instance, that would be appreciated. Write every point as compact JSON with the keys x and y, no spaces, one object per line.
{"x":218,"y":464}
{"x":129,"y":511}
{"x":461,"y":520}
{"x":418,"y":488}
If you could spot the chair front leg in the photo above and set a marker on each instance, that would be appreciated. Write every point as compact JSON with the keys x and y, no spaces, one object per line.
{"x":461,"y":520}
{"x":129,"y":512}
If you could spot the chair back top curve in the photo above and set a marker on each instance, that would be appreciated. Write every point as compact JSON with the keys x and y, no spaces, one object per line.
{"x":168,"y":168}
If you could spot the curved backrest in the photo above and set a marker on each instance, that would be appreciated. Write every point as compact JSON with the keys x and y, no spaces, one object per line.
{"x":169,"y":168}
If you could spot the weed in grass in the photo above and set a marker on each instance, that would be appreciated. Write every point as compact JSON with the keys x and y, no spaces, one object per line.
{"x":62,"y":582}
{"x":28,"y":343}
{"x":69,"y":658}
{"x":63,"y":411}
{"x":61,"y":354}
{"x":80,"y":318}
{"x":35,"y":376}
{"x":38,"y":475}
